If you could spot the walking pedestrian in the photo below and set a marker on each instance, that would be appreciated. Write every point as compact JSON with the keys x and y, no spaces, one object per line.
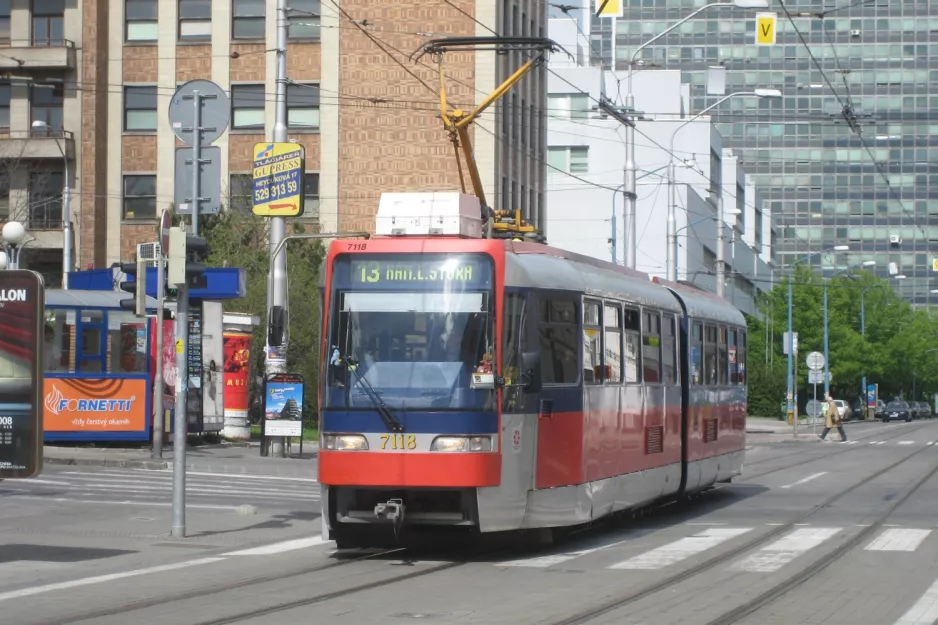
{"x":833,"y":421}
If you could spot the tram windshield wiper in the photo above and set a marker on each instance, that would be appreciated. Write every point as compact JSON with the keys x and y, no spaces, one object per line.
{"x":392,"y":423}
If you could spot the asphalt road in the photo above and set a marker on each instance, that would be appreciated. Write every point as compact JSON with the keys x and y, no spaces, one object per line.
{"x":833,"y":533}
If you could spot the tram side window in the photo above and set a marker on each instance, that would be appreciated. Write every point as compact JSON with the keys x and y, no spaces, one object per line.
{"x":612,"y":320}
{"x":651,"y":348}
{"x":632,"y":326}
{"x":733,"y":352}
{"x":722,"y":367}
{"x":558,"y":340}
{"x":741,"y":358}
{"x":710,"y":356}
{"x":592,"y":343}
{"x":696,"y":354}
{"x":667,"y":350}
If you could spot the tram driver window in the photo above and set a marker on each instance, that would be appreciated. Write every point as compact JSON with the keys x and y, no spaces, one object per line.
{"x":741,"y":358}
{"x":560,"y":360}
{"x":651,"y":348}
{"x":632,"y":326}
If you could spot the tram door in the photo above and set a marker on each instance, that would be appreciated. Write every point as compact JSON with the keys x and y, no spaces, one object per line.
{"x":553,"y":331}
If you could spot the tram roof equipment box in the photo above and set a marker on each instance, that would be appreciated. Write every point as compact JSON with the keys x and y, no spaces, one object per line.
{"x":446,"y":213}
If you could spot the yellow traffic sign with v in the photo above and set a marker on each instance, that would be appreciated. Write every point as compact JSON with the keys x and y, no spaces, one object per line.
{"x":765,"y":29}
{"x":609,"y":8}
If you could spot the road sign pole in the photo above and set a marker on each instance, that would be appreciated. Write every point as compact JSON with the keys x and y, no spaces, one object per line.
{"x":277,"y":279}
{"x":158,"y":414}
{"x":180,"y":421}
{"x":196,"y":155}
{"x":815,"y":399}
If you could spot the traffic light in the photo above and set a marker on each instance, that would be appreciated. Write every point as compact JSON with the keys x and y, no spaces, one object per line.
{"x":187,"y":253}
{"x":196,"y":255}
{"x":138,"y":287}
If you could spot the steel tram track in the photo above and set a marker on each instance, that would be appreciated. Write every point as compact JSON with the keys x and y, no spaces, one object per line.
{"x":802,"y":576}
{"x":214,"y":590}
{"x":661,"y":585}
{"x":803,"y":460}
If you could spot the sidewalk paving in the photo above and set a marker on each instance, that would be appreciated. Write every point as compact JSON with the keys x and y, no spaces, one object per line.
{"x":240,"y":458}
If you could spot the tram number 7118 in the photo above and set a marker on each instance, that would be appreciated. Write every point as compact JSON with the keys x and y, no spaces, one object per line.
{"x":399,"y":441}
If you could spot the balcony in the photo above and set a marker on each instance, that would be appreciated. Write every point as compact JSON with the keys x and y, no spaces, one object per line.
{"x":28,"y":54}
{"x":38,"y":143}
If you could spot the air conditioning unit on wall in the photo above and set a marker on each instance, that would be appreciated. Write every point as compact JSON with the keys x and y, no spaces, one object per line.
{"x":895,"y":239}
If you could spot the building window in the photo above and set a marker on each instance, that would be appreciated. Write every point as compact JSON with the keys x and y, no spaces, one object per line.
{"x":247,"y":19}
{"x":4,"y":105}
{"x":241,"y":193}
{"x":139,"y":108}
{"x":311,"y":195}
{"x":571,"y":160}
{"x":48,"y":22}
{"x":141,"y":16}
{"x":45,"y":200}
{"x":247,"y":106}
{"x":45,"y":104}
{"x":716,"y":173}
{"x":304,"y":19}
{"x":140,"y":196}
{"x":5,"y":20}
{"x":568,"y":105}
{"x":4,"y":198}
{"x":303,"y":106}
{"x":195,"y":19}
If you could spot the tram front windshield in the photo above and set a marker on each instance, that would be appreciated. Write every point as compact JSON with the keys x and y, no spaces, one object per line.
{"x":415,"y":328}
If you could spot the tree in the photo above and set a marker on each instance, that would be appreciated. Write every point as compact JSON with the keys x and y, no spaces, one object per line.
{"x":239,"y":239}
{"x":899,"y":350}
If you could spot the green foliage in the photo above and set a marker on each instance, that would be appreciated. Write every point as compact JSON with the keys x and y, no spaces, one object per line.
{"x":240,"y":240}
{"x":899,"y":350}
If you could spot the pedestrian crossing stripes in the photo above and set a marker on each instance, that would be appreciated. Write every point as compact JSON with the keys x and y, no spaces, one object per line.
{"x":681,"y":549}
{"x":775,"y":555}
{"x":154,"y":488}
{"x":770,"y":558}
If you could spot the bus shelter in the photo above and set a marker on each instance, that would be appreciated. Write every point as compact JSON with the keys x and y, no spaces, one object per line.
{"x":98,"y":368}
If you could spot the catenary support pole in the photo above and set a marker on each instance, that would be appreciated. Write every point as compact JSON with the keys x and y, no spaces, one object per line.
{"x":827,"y":385}
{"x":277,"y":279}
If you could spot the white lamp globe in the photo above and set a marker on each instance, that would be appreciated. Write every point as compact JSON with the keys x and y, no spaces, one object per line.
{"x":14,"y":233}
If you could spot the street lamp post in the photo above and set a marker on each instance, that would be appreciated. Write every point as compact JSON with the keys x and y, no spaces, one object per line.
{"x":791,"y":336}
{"x":66,"y":210}
{"x":630,"y":189}
{"x":671,"y":252}
{"x":14,"y":235}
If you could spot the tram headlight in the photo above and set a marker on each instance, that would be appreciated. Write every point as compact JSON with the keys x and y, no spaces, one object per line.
{"x":344,"y":442}
{"x":462,"y":443}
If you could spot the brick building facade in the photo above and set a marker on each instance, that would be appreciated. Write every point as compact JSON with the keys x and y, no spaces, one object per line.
{"x":366,"y":121}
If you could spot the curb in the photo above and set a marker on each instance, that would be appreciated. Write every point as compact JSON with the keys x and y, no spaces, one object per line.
{"x":153,"y":465}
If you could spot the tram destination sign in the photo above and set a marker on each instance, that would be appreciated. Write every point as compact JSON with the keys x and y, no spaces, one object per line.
{"x":465,"y":271}
{"x":279,"y":179}
{"x":22,"y":333}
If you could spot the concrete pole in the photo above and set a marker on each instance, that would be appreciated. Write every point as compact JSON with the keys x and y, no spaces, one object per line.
{"x":158,"y":414}
{"x":277,"y":279}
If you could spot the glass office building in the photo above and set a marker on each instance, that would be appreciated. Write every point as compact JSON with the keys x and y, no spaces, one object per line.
{"x":821,"y":182}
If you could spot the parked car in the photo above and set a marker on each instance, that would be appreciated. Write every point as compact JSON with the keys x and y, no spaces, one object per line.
{"x":843,"y":409}
{"x":926,"y":410}
{"x":880,"y":411}
{"x":920,"y":410}
{"x":898,"y":410}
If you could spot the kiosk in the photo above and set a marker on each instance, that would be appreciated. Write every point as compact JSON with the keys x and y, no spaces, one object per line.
{"x":98,"y":368}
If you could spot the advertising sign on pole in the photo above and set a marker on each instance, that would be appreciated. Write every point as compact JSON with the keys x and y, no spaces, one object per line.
{"x":279,"y":176}
{"x":283,"y":405}
{"x":22,"y":342}
{"x":237,"y":368}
